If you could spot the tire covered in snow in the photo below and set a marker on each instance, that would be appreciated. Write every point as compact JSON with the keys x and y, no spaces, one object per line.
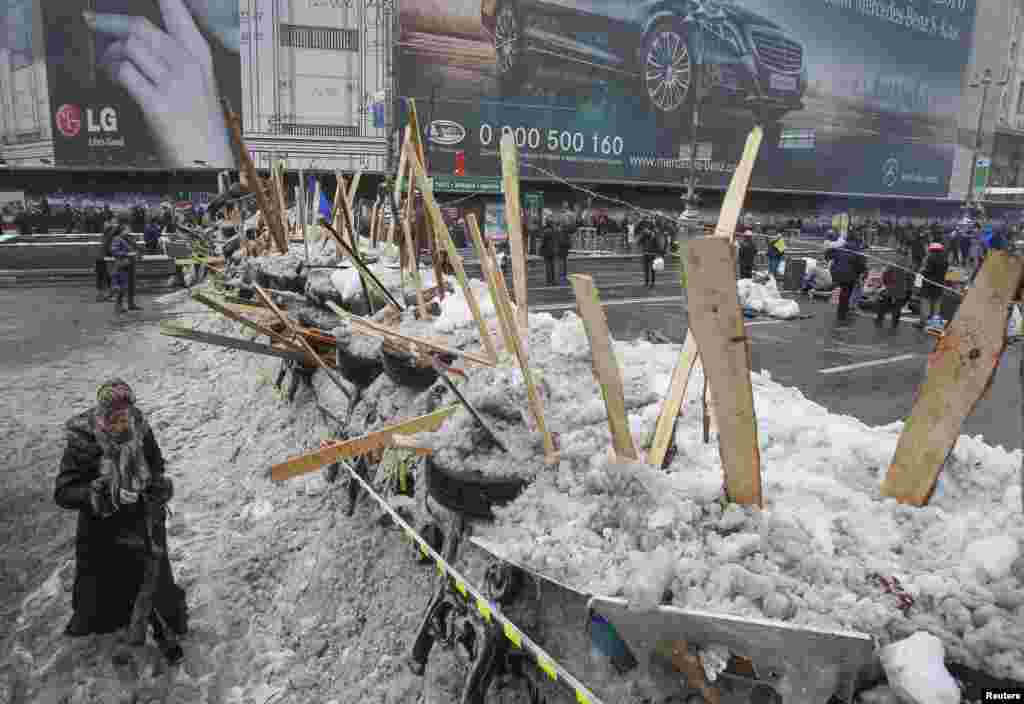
{"x":472,"y":494}
{"x":359,"y":360}
{"x":403,"y":371}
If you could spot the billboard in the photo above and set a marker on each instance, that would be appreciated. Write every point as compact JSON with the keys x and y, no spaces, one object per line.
{"x":857,"y":96}
{"x":138,"y":84}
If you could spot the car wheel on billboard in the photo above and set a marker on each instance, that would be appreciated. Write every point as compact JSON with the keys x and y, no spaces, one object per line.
{"x":667,"y":70}
{"x":508,"y":46}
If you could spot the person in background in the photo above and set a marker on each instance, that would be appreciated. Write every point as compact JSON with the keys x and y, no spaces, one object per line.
{"x":651,"y":243}
{"x":123,"y":254}
{"x":847,"y":267}
{"x":104,"y":287}
{"x":747,"y":254}
{"x":138,"y":219}
{"x":151,"y":236}
{"x":898,"y":281}
{"x":934,"y":271}
{"x":112,"y":473}
{"x":953,"y":245}
{"x":965,"y":247}
{"x":565,"y":244}
{"x":548,"y":250}
{"x":776,"y":250}
{"x":918,"y":245}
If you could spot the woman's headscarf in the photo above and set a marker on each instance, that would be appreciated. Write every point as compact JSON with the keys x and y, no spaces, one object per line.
{"x":124,"y":460}
{"x":113,"y":396}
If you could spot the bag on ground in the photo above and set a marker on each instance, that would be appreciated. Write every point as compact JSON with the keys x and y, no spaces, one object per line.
{"x":658,"y":264}
{"x":1013,"y":329}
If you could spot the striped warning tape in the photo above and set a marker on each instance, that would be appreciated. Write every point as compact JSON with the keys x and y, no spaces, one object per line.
{"x":488,"y":610}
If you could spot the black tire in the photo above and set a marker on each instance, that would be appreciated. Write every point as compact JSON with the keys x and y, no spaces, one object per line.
{"x":361,"y":371}
{"x":402,"y":371}
{"x":509,"y":48}
{"x":666,"y":73}
{"x":470,"y":493}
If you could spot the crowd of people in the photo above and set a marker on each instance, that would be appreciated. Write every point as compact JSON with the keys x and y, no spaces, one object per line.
{"x":41,"y":217}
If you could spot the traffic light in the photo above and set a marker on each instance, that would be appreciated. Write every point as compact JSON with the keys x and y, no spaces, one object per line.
{"x":460,"y":163}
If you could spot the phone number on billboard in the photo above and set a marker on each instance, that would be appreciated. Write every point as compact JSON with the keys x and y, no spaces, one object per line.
{"x":555,"y":140}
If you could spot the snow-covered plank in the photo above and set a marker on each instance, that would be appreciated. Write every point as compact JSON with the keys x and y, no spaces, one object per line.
{"x":514,"y":220}
{"x":673,"y":402}
{"x":960,"y":371}
{"x":717,"y":322}
{"x":378,"y":440}
{"x":606,"y":366}
{"x":410,"y":248}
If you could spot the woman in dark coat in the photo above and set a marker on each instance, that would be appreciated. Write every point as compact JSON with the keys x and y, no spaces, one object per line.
{"x":112,"y":473}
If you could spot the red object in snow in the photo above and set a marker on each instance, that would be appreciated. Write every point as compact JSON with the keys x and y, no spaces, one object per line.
{"x":460,"y":163}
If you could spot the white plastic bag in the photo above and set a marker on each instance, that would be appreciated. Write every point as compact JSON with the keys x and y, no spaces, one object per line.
{"x":919,"y":281}
{"x":659,"y":264}
{"x":1013,"y":329}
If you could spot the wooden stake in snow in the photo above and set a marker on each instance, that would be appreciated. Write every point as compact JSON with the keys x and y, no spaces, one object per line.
{"x":960,"y":371}
{"x":442,"y":235}
{"x":312,"y":461}
{"x":410,"y":247}
{"x":271,"y":215}
{"x":506,"y":319}
{"x":606,"y":366}
{"x":353,"y":186}
{"x":726,"y":228}
{"x":514,"y":218}
{"x":716,"y":319}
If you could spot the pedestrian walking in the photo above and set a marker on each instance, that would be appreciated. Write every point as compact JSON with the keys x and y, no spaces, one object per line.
{"x":104,"y":289}
{"x":847,"y":267}
{"x":747,"y":254}
{"x":565,"y":246}
{"x":123,"y":254}
{"x":965,"y":247}
{"x":548,"y":250}
{"x":918,"y":247}
{"x":651,"y":241}
{"x":936,"y":265}
{"x":899,"y":284}
{"x":112,"y":472}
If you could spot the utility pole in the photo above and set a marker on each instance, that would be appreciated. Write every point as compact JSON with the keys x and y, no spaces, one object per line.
{"x":690,"y":198}
{"x":985,"y":82}
{"x":390,"y":18}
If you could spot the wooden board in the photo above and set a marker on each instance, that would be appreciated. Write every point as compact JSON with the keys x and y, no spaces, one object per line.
{"x":352,"y":188}
{"x":727,"y":219}
{"x":410,"y":247}
{"x":310,"y":462}
{"x":443,"y":235}
{"x":716,"y":320}
{"x":676,"y":395}
{"x":417,"y":136}
{"x":506,"y":316}
{"x":232,"y":343}
{"x":514,"y":218}
{"x":491,"y":278}
{"x":606,"y":366}
{"x":960,"y":371}
{"x":388,"y":333}
{"x":239,"y":318}
{"x":267,"y":206}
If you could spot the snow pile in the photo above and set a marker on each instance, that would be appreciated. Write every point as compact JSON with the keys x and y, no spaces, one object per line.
{"x":917,"y":672}
{"x":455,"y":311}
{"x":810,"y":556}
{"x":765,"y":298}
{"x":348,"y":284}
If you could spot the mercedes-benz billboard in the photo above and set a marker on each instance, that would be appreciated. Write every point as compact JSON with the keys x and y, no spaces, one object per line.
{"x":857,"y":96}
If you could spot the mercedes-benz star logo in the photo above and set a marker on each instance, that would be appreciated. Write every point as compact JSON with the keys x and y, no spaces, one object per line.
{"x":890,"y":172}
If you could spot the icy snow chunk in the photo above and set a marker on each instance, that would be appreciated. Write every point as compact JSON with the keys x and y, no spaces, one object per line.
{"x":917,"y":672}
{"x":714,"y":658}
{"x":993,"y":555}
{"x":648,"y":576}
{"x":569,"y":337}
{"x":347,"y":283}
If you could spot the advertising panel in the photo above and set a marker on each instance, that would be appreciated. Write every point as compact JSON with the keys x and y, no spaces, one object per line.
{"x":857,"y":96}
{"x":16,"y":32}
{"x":138,"y":85}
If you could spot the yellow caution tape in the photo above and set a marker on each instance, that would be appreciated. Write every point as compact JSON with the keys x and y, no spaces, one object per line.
{"x":484,"y":608}
{"x":548,"y":667}
{"x":410,"y":535}
{"x":581,"y":697}
{"x":460,"y":587}
{"x":423,"y":550}
{"x":513,"y":634}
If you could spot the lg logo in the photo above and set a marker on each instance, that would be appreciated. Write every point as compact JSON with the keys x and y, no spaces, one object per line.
{"x":69,"y":120}
{"x":890,"y":172}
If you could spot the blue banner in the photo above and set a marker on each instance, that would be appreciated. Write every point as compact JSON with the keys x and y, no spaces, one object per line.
{"x":856,"y":96}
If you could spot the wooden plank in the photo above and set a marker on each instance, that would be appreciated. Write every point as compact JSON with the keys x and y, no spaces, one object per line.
{"x":960,"y":371}
{"x":444,"y":236}
{"x":232,"y":343}
{"x":514,"y":218}
{"x":417,"y":136}
{"x":312,"y":461}
{"x":606,"y":366}
{"x":384,"y":331}
{"x":716,"y":320}
{"x":410,"y":248}
{"x":402,"y":156}
{"x":490,"y":276}
{"x":676,"y":395}
{"x":266,"y":205}
{"x":352,"y":188}
{"x":506,"y":316}
{"x":405,"y":442}
{"x":282,"y":201}
{"x":727,"y":219}
{"x":238,"y":318}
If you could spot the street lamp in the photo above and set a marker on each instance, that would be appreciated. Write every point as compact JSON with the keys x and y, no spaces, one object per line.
{"x":690,"y":198}
{"x":984,"y":83}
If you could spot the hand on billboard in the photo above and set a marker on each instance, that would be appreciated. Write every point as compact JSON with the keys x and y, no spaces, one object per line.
{"x":170,"y":74}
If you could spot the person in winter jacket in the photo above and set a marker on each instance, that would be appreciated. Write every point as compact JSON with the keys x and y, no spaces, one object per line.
{"x":898,"y":281}
{"x":918,"y":247}
{"x":847,"y":267}
{"x":747,"y":255}
{"x":104,"y":289}
{"x":565,"y":234}
{"x":934,"y":272}
{"x":120,"y":278}
{"x":548,"y":250}
{"x":650,"y":242}
{"x":776,"y":250}
{"x":112,"y":472}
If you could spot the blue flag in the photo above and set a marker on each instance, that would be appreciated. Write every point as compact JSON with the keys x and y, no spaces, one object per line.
{"x":325,"y":206}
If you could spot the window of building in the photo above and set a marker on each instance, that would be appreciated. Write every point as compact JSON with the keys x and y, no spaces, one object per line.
{"x":301,"y":37}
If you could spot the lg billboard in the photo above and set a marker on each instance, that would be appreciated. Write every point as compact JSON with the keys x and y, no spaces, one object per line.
{"x":857,"y":96}
{"x":137,"y":84}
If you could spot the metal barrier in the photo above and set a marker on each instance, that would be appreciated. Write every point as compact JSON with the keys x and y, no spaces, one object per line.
{"x":586,"y":239}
